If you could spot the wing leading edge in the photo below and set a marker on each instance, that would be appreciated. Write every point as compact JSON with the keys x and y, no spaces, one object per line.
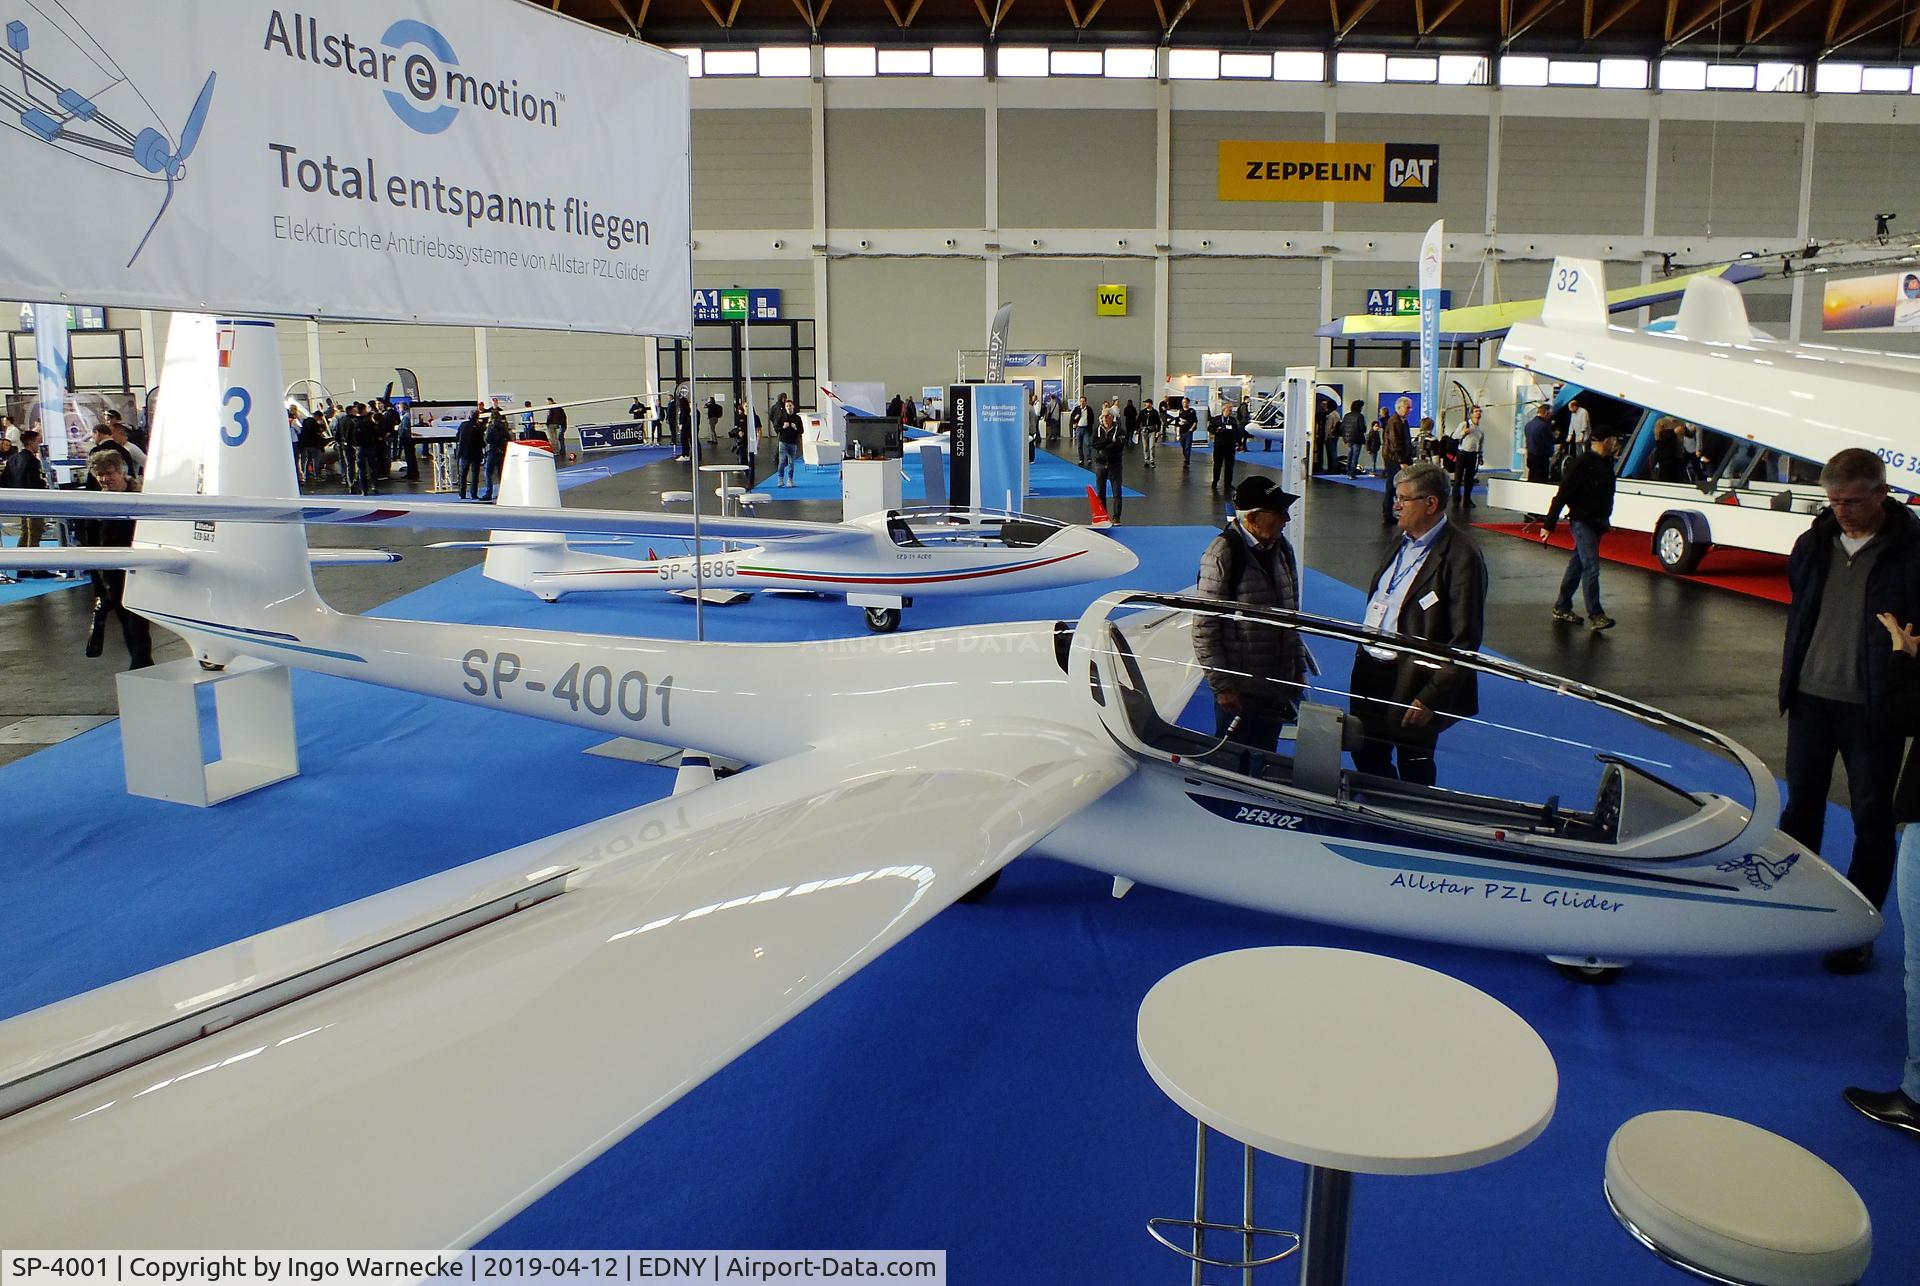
{"x":441,"y":515}
{"x":426,"y":1102}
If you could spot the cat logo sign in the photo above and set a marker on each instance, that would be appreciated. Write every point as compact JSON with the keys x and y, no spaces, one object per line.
{"x":1363,"y":173}
{"x":1109,"y":301}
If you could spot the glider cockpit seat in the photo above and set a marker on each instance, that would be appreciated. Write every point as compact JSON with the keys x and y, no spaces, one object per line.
{"x":1018,"y":533}
{"x":900,"y":533}
{"x":1321,"y":736}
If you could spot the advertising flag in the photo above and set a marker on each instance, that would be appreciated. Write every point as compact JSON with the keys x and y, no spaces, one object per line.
{"x":1430,"y":319}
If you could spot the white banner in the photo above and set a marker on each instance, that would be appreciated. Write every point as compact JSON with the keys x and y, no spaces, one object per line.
{"x":1430,"y":322}
{"x":465,"y":162}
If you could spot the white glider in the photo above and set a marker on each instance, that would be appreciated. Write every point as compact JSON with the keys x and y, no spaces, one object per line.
{"x":413,"y":1069}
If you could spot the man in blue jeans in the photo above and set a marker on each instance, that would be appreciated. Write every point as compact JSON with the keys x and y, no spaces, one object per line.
{"x":1586,"y":493}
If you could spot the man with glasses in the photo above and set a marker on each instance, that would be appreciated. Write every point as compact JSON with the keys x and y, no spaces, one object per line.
{"x":1860,"y":558}
{"x":1432,"y":587}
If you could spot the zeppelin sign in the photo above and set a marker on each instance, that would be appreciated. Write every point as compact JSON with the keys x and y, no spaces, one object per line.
{"x":1353,"y":172}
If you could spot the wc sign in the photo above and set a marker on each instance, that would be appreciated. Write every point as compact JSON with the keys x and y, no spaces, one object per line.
{"x":1110,"y":300}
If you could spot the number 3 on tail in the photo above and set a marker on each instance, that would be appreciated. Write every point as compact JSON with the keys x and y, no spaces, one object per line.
{"x":1566,"y":279}
{"x":241,"y":403}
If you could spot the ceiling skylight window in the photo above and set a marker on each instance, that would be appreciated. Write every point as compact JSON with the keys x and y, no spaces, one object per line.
{"x":1418,"y":70}
{"x":1780,"y":78}
{"x":785,"y":60}
{"x":1242,"y":66}
{"x":1193,"y":64}
{"x":1299,"y":64}
{"x":1623,"y":73}
{"x":693,"y":60}
{"x":1517,"y":69}
{"x":1562,"y":71}
{"x":1077,"y":62}
{"x":1463,"y":69}
{"x":1021,"y":60}
{"x":1130,"y":64}
{"x":732,"y":62}
{"x":959,"y":60}
{"x":848,"y":60}
{"x":1683,"y":73}
{"x":1838,"y":78}
{"x":1369,"y":69}
{"x":1731,"y":75}
{"x":905,"y":62}
{"x":1887,"y":80}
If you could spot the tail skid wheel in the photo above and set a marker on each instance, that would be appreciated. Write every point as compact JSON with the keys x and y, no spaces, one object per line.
{"x":1595,"y":971}
{"x":883,"y":620}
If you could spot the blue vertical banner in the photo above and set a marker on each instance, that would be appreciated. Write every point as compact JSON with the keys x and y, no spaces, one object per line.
{"x":1430,"y":321}
{"x":53,"y":358}
{"x":999,"y":463}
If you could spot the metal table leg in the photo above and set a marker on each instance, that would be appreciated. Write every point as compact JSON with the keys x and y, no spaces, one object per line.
{"x":1323,"y":1227}
{"x":1199,"y":1226}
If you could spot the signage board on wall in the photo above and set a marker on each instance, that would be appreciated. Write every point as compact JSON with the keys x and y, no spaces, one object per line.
{"x":1216,"y":363}
{"x":1110,"y":300}
{"x":1357,"y":173}
{"x":390,"y":160}
{"x":732,"y":303}
{"x":1889,"y":301}
{"x":1388,"y":302}
{"x":79,"y":317}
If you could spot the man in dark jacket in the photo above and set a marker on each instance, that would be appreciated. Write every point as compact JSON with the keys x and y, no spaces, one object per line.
{"x":470,"y":453}
{"x":1861,"y":557}
{"x":108,"y":471}
{"x":1110,"y":461}
{"x":1353,"y":428}
{"x":498,"y":435}
{"x":1432,"y":587}
{"x":1225,"y":438}
{"x":1586,"y":493}
{"x":1396,"y":452}
{"x":23,"y":472}
{"x":1538,"y":439}
{"x":1254,"y":669}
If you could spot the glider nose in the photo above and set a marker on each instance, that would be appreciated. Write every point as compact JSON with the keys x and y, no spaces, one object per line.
{"x":1111,"y":558}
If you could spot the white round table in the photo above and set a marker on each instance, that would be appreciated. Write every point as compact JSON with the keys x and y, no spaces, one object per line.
{"x":1347,"y":1062}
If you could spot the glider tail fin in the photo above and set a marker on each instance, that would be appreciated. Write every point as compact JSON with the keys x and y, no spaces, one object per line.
{"x":529,"y":480}
{"x":220,"y":430}
{"x":1576,"y":295}
{"x":1101,"y":519}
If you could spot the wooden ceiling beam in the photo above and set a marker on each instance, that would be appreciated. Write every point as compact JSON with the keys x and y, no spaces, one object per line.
{"x":1861,"y":25}
{"x":1353,"y":19}
{"x":1754,"y":12}
{"x":733,"y":13}
{"x":633,"y":23}
{"x":1711,"y":12}
{"x":1506,"y":18}
{"x":1834,"y":10}
{"x":1073,"y":15}
{"x":914,"y":12}
{"x":1525,"y":22}
{"x":893,"y":13}
{"x":1780,"y":19}
{"x":1620,"y":11}
{"x":1452,"y":7}
{"x":1093,"y":11}
{"x":1586,"y":19}
{"x":713,"y":13}
{"x":1912,"y":29}
{"x":1181,"y":13}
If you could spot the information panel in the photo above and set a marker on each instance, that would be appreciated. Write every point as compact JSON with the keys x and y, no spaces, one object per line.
{"x":473,"y":162}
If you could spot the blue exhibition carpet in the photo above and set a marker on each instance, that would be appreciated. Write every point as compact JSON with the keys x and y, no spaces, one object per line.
{"x":977,"y":1088}
{"x":1050,"y":477}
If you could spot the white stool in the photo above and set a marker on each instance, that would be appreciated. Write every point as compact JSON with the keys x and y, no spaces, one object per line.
{"x":1730,"y":1202}
{"x":676,"y":497}
{"x":749,"y":499}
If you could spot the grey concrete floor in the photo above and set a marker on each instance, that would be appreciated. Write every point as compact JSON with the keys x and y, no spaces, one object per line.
{"x":1706,"y":654}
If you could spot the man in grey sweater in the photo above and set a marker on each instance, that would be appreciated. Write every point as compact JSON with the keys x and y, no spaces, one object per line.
{"x":1861,"y":557}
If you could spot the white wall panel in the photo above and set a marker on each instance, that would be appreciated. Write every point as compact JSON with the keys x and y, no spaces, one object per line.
{"x":1570,"y":175}
{"x":903,"y":322}
{"x":1463,"y":172}
{"x":1195,"y":175}
{"x":1053,"y":308}
{"x":1860,"y":171}
{"x":534,"y":365}
{"x":752,"y":169}
{"x":357,"y":361}
{"x":1263,"y":311}
{"x":1740,"y":177}
{"x":912,"y":168}
{"x":1076,"y":169}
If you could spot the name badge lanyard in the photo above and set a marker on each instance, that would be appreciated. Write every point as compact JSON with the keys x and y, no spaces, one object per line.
{"x":1377,"y":606}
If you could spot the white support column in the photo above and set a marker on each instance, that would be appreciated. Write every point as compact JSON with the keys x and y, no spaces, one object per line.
{"x":650,"y":377}
{"x":312,"y":329}
{"x":1162,"y":224}
{"x":1653,"y":182}
{"x":149,"y":351}
{"x":992,"y":185}
{"x":817,"y":127}
{"x":1803,"y":229}
{"x":1489,"y":280}
{"x":482,"y":378}
{"x":1329,"y":130}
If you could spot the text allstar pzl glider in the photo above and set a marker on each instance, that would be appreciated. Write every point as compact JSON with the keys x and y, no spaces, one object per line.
{"x":318,"y":1085}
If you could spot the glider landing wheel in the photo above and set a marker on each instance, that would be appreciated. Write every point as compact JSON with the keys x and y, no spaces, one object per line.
{"x":1678,"y":552}
{"x":883,"y":620}
{"x":979,"y":892}
{"x":1592,"y":970}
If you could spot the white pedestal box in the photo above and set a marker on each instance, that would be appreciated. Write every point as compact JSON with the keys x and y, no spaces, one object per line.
{"x":868,"y":486}
{"x":160,"y":741}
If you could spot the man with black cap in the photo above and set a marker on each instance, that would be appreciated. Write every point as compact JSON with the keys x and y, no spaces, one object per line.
{"x":1255,"y":670}
{"x":1586,"y":493}
{"x":1432,"y":586}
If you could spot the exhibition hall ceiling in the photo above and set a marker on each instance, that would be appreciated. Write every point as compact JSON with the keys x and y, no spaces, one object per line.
{"x":1864,"y":30}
